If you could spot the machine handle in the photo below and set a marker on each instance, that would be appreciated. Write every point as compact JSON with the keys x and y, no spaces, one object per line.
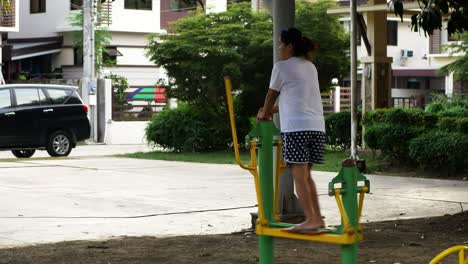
{"x":227,"y":82}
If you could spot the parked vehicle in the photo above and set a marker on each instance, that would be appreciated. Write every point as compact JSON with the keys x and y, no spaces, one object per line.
{"x":37,"y":116}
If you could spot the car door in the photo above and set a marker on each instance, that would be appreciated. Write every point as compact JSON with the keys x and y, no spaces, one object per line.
{"x":58,"y":114}
{"x":29,"y":114}
{"x":7,"y":118}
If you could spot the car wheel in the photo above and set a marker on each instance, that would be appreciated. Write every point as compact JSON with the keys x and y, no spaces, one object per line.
{"x":23,"y":153}
{"x":59,"y":144}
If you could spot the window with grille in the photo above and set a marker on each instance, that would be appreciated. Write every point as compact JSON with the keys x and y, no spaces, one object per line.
{"x":139,"y":4}
{"x":76,"y":4}
{"x":182,"y":5}
{"x":37,"y":6}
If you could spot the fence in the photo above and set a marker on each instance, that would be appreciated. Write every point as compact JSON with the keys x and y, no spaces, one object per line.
{"x":137,"y":103}
{"x":336,"y":100}
{"x":409,"y":102}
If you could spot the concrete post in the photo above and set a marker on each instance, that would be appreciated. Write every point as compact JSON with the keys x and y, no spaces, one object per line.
{"x":283,"y":18}
{"x":337,"y":99}
{"x":376,"y":79}
{"x":353,"y":75}
{"x":377,"y":68}
{"x":104,"y":108}
{"x":283,"y":12}
{"x":89,"y":64}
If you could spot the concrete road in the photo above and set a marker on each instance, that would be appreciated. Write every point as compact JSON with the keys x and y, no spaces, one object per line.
{"x":89,"y":196}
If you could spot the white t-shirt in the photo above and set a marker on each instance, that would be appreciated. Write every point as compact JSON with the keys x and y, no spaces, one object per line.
{"x":300,"y":102}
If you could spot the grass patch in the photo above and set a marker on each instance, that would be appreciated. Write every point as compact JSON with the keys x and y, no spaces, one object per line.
{"x":333,"y":159}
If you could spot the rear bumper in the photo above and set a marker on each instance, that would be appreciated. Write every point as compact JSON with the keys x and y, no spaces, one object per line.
{"x":83,"y":131}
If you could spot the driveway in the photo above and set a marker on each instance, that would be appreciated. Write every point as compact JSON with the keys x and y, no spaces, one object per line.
{"x":90,"y":196}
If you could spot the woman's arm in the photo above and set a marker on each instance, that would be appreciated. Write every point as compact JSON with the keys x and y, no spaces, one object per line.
{"x":268,"y":107}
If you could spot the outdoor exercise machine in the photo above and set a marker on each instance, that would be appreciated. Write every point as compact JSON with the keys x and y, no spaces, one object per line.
{"x":344,"y":187}
{"x":461,"y":254}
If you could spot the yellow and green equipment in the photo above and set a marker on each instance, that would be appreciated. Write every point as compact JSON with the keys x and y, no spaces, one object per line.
{"x":345,"y":187}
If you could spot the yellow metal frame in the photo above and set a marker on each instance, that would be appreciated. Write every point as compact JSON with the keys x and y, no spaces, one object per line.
{"x":461,"y":254}
{"x":263,"y":226}
{"x":346,"y":238}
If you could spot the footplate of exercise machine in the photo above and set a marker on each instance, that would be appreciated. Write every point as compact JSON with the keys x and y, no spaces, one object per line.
{"x":332,"y":236}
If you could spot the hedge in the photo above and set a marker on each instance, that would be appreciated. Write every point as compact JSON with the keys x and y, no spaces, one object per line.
{"x":338,"y":130}
{"x":440,"y":150}
{"x":390,"y":130}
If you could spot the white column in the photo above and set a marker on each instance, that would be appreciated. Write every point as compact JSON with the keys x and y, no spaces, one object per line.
{"x":449,"y":85}
{"x":337,"y":98}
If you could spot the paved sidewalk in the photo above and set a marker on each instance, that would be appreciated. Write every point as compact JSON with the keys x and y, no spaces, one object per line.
{"x":90,"y":150}
{"x":93,"y":197}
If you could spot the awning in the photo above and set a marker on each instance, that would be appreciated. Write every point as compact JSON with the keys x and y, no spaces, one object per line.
{"x":18,"y":49}
{"x":416,"y":72}
{"x":113,"y":52}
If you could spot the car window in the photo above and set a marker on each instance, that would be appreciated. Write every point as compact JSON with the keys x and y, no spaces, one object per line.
{"x":74,"y":99}
{"x":27,"y":97}
{"x":5,"y":100}
{"x":58,"y":96}
{"x":42,"y":97}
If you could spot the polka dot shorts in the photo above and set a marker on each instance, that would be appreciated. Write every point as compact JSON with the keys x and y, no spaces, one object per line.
{"x":303,"y":147}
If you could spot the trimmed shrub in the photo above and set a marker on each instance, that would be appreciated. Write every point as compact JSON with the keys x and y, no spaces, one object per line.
{"x":448,"y":107}
{"x":174,"y":129}
{"x":189,"y":129}
{"x":401,"y":116}
{"x":338,"y":128}
{"x":440,"y":150}
{"x":449,"y":124}
{"x":453,"y":124}
{"x":463,"y":125}
{"x":392,"y":140}
{"x":390,"y":130}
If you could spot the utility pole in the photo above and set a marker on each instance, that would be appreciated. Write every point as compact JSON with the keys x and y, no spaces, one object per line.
{"x":89,"y":83}
{"x":354,"y":90}
{"x":283,"y":13}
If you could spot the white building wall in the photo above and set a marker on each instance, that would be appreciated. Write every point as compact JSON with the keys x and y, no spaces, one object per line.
{"x":131,"y":132}
{"x":128,"y":38}
{"x":128,"y":20}
{"x":65,"y":57}
{"x":407,"y":39}
{"x":137,"y":76}
{"x":133,"y":56}
{"x":216,"y":6}
{"x":41,"y":24}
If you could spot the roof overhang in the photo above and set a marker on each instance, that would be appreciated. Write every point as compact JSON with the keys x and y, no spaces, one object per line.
{"x":18,"y":49}
{"x":415,"y":72}
{"x":410,"y":8}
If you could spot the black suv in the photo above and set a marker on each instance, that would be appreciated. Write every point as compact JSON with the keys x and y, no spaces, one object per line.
{"x":35,"y":116}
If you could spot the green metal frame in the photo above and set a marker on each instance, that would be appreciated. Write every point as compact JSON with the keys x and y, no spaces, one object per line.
{"x":348,"y":179}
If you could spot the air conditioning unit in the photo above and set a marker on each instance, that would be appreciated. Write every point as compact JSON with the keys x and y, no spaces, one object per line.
{"x":406,"y":53}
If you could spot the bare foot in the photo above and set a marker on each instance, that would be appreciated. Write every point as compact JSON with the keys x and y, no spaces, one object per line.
{"x":311,"y":225}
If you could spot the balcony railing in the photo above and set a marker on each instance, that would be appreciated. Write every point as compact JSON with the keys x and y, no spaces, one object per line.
{"x":8,"y":13}
{"x":105,"y":13}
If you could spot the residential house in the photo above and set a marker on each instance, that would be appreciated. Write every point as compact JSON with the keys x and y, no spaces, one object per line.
{"x":9,"y":22}
{"x":416,"y":61}
{"x":46,"y":26}
{"x":44,"y":48}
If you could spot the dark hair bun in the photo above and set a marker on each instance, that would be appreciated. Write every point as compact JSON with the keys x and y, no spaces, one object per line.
{"x":301,"y":45}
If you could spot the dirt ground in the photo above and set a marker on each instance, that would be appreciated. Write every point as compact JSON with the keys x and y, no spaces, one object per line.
{"x":394,"y":242}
